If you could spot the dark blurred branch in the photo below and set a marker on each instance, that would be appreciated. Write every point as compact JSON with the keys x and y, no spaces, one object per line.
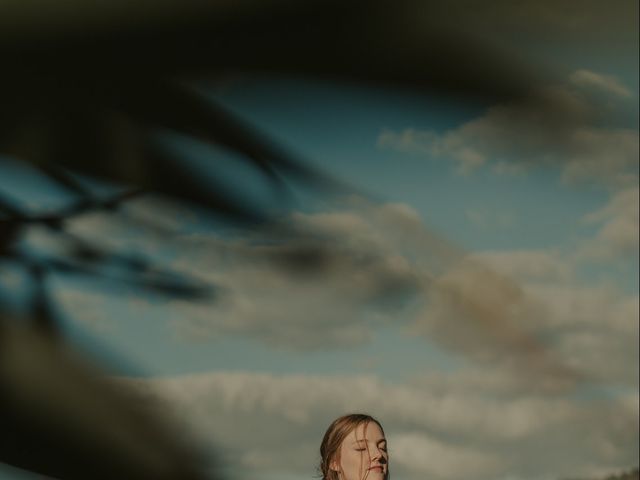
{"x":75,"y":423}
{"x":84,"y":89}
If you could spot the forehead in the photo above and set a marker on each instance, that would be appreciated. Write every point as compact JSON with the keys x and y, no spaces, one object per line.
{"x":366,"y":431}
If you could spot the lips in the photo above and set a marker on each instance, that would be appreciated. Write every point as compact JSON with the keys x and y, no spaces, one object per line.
{"x":376,"y":468}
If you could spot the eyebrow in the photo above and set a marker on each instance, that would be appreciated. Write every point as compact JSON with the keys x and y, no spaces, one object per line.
{"x":382,"y":440}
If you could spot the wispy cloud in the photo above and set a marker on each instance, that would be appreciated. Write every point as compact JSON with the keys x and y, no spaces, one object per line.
{"x":607,"y":83}
{"x":617,"y":237}
{"x":563,"y":125}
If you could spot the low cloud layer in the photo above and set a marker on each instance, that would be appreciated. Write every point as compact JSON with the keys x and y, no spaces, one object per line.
{"x":271,"y":423}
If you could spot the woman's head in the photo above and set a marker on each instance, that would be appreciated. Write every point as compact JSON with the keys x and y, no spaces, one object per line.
{"x":354,"y":448}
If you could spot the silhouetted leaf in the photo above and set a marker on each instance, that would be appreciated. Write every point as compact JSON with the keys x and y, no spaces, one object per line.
{"x":61,"y":418}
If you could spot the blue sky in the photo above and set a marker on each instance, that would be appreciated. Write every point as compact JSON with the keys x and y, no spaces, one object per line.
{"x":338,"y":127}
{"x":530,"y":224}
{"x":513,"y":334}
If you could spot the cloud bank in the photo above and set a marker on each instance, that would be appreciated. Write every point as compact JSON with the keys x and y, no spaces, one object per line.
{"x":272,"y":423}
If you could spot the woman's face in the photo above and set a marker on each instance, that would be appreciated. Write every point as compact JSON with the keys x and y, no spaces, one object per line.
{"x":363,"y":454}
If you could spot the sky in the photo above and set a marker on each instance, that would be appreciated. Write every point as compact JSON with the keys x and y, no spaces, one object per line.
{"x":480,"y":297}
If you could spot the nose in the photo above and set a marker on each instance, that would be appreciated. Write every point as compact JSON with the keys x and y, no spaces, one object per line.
{"x":379,"y":456}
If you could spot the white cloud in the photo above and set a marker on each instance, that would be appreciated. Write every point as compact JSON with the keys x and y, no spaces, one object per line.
{"x":608,"y":155}
{"x":270,"y":423}
{"x":529,"y":313}
{"x":422,"y":455}
{"x":558,"y":125}
{"x":268,"y":291}
{"x":594,"y":328}
{"x":529,"y":265}
{"x":487,"y":316}
{"x":618,"y":234}
{"x":608,"y":83}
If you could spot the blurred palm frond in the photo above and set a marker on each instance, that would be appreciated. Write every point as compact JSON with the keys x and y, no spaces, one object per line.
{"x":87,"y":87}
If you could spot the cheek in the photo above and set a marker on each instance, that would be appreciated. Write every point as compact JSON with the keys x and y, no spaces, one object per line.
{"x":352,"y":461}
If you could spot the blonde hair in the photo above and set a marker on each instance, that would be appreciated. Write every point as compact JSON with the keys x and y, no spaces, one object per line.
{"x":333,"y":438}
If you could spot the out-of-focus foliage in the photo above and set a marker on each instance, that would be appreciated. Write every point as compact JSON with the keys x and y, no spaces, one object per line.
{"x":86,"y":87}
